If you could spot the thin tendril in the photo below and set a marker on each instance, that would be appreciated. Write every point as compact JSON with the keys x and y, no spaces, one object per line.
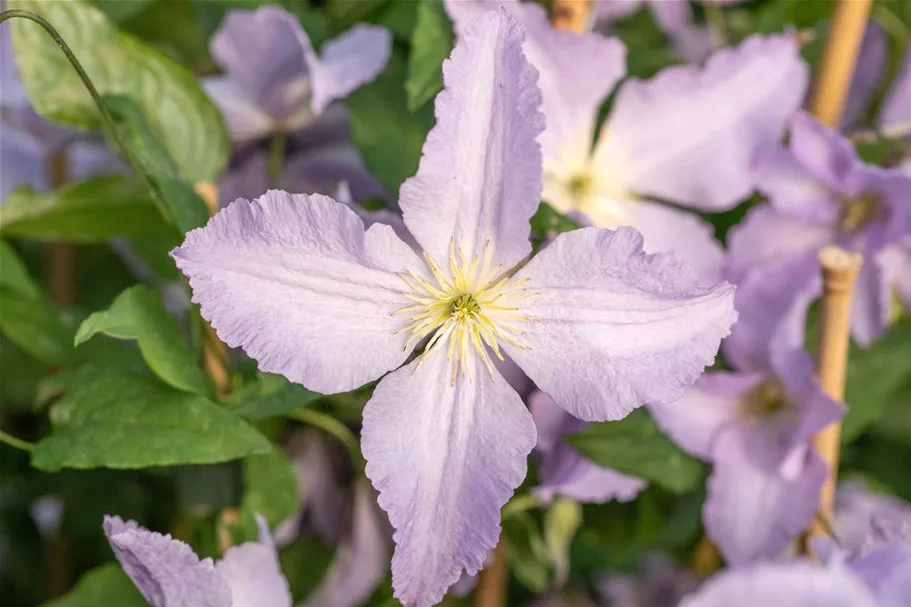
{"x":17,"y":443}
{"x":107,"y":119}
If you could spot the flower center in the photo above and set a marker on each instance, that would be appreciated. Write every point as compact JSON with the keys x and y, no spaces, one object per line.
{"x":765,"y":400}
{"x":472,"y":306}
{"x":579,"y":186}
{"x":858,"y":212}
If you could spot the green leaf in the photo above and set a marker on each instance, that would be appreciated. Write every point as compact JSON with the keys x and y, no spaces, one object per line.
{"x":388,"y":136}
{"x":431,"y":43}
{"x":14,"y":275}
{"x":36,"y":327}
{"x":561,"y":522}
{"x":874,"y":377}
{"x":547,"y":222}
{"x":180,"y":113}
{"x":528,"y":556}
{"x":121,"y":10}
{"x":129,"y":419}
{"x":270,"y":396}
{"x":138,"y":313}
{"x":270,"y":482}
{"x":306,"y":562}
{"x":635,"y":446}
{"x":92,"y":211}
{"x":177,"y":199}
{"x":104,"y":585}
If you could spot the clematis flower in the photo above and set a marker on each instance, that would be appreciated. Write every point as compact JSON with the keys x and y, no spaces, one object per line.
{"x":169,"y":574}
{"x":820,"y":193}
{"x":275,"y":82}
{"x":563,"y":470}
{"x":595,"y":322}
{"x":754,"y":427}
{"x":857,"y":508}
{"x":658,"y":143}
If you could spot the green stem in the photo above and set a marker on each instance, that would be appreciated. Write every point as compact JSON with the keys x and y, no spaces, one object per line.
{"x":520,"y":503}
{"x":106,"y":117}
{"x":334,"y":427}
{"x":17,"y":443}
{"x":276,"y":159}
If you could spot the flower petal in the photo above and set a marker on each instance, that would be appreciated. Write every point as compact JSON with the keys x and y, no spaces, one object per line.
{"x":792,"y":189}
{"x":868,"y":74}
{"x":254,"y":574}
{"x":613,"y":328}
{"x":479,"y":179}
{"x":445,"y":457}
{"x":672,"y":16}
{"x":348,"y":61}
{"x":872,"y":305}
{"x":166,"y":571}
{"x":895,"y":114}
{"x":564,"y":471}
{"x":694,"y":420}
{"x":783,"y":585}
{"x":660,"y":137}
{"x":690,"y":238}
{"x":23,"y":161}
{"x":265,"y":51}
{"x":823,"y":152}
{"x":752,"y":512}
{"x":244,"y":119}
{"x":297,"y":283}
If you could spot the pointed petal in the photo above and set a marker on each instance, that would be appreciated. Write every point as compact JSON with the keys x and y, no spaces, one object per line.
{"x":752,"y":512}
{"x":265,"y":52}
{"x":823,"y":152}
{"x":872,"y":306}
{"x":613,"y":328}
{"x":243,"y":117}
{"x":361,"y":560}
{"x":563,"y":470}
{"x":348,"y":61}
{"x":479,"y":179}
{"x":792,"y":189}
{"x":887,"y":572}
{"x":868,"y":74}
{"x":660,"y":137}
{"x":694,"y":420}
{"x":673,"y":17}
{"x":254,"y":574}
{"x":783,"y":585}
{"x":166,"y":571}
{"x":265,"y":272}
{"x":445,"y":458}
{"x":895,"y":114}
{"x":690,"y":238}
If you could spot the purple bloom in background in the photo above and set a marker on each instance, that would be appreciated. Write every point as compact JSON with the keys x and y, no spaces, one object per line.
{"x":596,"y":323}
{"x":563,"y":470}
{"x":659,"y":142}
{"x":169,"y":574}
{"x":275,"y":82}
{"x":820,"y":193}
{"x":894,"y":119}
{"x":755,"y":427}
{"x":856,"y":507}
{"x":659,"y":582}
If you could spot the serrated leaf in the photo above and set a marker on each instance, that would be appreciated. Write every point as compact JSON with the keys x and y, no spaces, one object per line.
{"x":635,"y":446}
{"x":270,"y":396}
{"x":14,"y":276}
{"x":180,"y":113}
{"x":431,"y":43}
{"x":270,"y":486}
{"x":176,"y":198}
{"x":104,"y":585}
{"x":92,"y":211}
{"x":131,"y":420}
{"x":35,"y":325}
{"x":138,"y":313}
{"x":380,"y":122}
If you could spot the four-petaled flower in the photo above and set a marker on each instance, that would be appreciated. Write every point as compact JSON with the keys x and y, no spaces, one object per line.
{"x":595,"y":322}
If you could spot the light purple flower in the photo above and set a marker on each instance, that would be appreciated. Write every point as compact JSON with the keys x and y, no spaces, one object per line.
{"x":755,"y":427}
{"x":658,"y":142}
{"x":169,"y":574}
{"x":600,"y":326}
{"x":659,"y":582}
{"x":894,"y":118}
{"x":820,"y":193}
{"x":563,"y":470}
{"x":275,"y":82}
{"x":856,"y":507}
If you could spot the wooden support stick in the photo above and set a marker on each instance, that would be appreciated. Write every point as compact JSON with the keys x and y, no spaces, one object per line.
{"x":839,"y":273}
{"x":572,"y":15}
{"x":491,"y":590}
{"x":839,"y":60}
{"x":61,"y":256}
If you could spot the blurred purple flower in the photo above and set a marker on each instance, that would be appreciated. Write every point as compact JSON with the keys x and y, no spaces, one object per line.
{"x":169,"y":574}
{"x":856,"y":507}
{"x":820,"y":193}
{"x":659,"y":142}
{"x":275,"y":82}
{"x":303,"y":289}
{"x":755,"y":427}
{"x":659,"y":582}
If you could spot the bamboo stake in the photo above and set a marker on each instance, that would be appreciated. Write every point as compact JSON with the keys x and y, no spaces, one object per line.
{"x":572,"y":15}
{"x":491,"y":590}
{"x":839,"y":60}
{"x":839,"y":273}
{"x":214,"y":352}
{"x":61,"y":256}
